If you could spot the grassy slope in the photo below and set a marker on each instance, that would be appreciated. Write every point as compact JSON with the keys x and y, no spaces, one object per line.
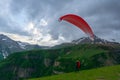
{"x":83,"y":53}
{"x":105,"y":73}
{"x":34,"y":60}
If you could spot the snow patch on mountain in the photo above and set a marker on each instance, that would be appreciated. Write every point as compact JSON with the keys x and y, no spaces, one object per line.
{"x":96,"y":40}
{"x":22,"y":45}
{"x":5,"y":54}
{"x":4,"y":39}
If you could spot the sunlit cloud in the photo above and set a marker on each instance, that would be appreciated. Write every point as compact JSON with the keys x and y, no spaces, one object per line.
{"x":43,"y":22}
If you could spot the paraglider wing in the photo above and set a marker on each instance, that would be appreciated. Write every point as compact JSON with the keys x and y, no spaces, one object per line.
{"x":79,"y":22}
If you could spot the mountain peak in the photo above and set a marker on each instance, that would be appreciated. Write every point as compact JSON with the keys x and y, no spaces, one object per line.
{"x":4,"y":37}
{"x":8,"y":46}
{"x":97,"y":40}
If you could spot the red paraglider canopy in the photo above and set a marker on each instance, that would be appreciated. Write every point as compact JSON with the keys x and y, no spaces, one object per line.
{"x":79,"y":22}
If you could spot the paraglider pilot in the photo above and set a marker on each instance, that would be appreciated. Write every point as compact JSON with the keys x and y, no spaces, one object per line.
{"x":78,"y":65}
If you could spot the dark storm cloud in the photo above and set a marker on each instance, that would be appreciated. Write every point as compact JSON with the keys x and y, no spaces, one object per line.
{"x":36,"y":8}
{"x":5,"y":26}
{"x":107,"y":14}
{"x":3,"y":22}
{"x":102,"y":15}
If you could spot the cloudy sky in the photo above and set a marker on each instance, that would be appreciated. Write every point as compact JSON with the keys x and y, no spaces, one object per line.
{"x":36,"y":21}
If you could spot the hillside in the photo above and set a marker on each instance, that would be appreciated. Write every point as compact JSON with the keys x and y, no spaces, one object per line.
{"x":39,"y":63}
{"x":105,"y":73}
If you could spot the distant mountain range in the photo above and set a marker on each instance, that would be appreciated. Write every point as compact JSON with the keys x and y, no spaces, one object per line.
{"x":97,"y":40}
{"x":8,"y":46}
{"x":87,"y":40}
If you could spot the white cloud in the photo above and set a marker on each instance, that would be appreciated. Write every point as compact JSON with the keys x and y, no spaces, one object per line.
{"x":29,"y":27}
{"x":43,"y":22}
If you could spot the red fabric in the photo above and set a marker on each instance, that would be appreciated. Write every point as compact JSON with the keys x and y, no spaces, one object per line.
{"x":79,"y":22}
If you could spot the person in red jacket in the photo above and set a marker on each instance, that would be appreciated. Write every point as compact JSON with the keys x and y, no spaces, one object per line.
{"x":78,"y":65}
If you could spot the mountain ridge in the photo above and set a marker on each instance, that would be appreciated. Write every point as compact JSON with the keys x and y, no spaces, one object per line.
{"x":8,"y":46}
{"x":87,"y":40}
{"x":96,"y":40}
